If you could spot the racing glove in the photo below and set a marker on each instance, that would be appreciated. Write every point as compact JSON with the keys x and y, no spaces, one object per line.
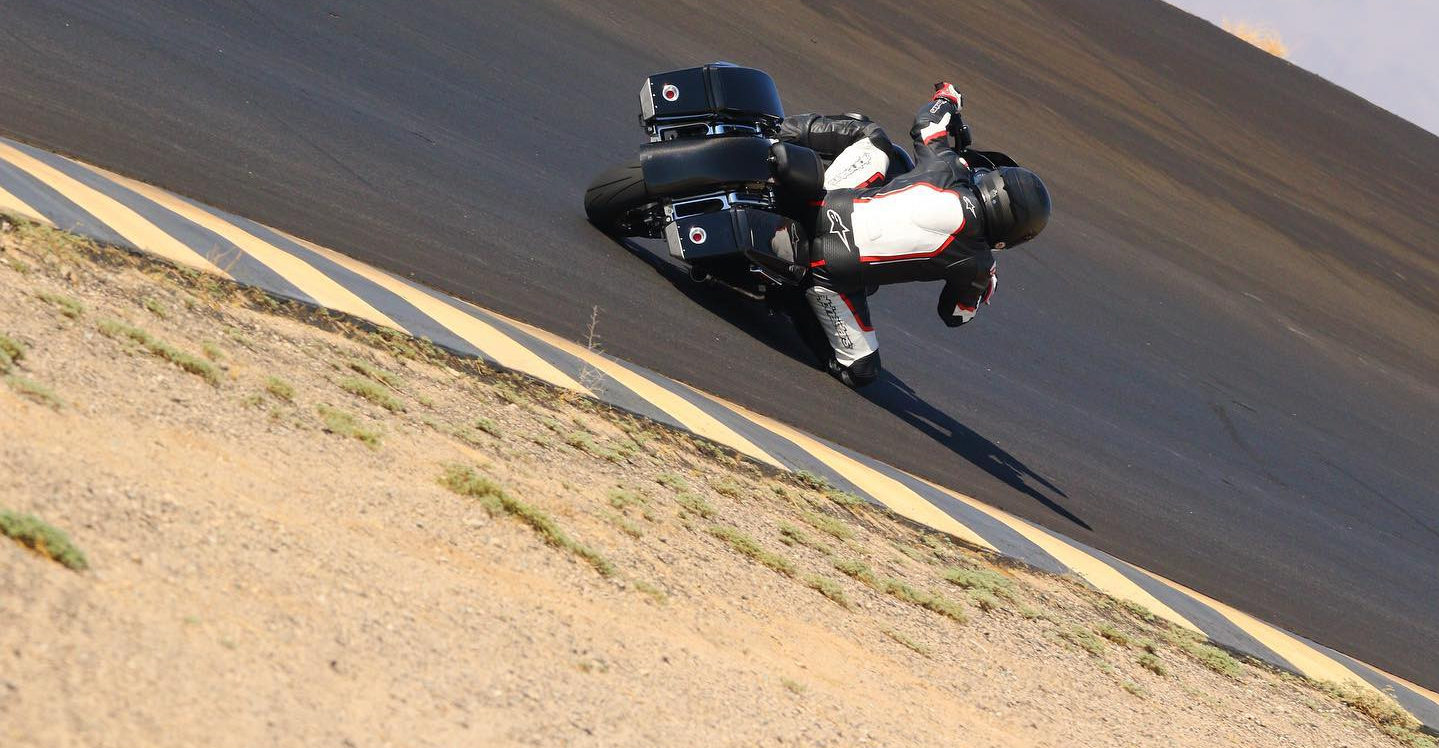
{"x":946,"y":90}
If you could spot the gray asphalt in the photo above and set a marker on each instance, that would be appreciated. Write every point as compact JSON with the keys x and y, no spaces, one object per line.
{"x":1218,"y":362}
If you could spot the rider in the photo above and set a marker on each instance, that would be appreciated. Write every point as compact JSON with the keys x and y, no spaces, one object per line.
{"x":880,"y":223}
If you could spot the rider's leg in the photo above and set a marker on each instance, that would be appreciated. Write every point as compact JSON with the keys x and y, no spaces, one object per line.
{"x":845,"y":321}
{"x":862,"y":164}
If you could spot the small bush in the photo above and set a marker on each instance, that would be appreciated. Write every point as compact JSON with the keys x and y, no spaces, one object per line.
{"x":43,"y":538}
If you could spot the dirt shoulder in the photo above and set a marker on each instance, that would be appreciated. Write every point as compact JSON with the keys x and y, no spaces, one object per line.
{"x":299,"y":531}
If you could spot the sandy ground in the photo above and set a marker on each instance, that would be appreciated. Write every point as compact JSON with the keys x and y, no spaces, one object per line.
{"x":257,"y":578}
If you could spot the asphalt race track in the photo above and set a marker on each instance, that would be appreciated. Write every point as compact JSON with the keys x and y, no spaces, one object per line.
{"x":1219,"y":361}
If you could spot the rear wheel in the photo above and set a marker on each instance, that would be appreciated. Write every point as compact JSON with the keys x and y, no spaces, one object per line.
{"x":617,"y":201}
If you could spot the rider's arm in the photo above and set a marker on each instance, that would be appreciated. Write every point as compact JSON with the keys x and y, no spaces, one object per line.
{"x":828,"y":136}
{"x":964,"y":292}
{"x":935,"y":121}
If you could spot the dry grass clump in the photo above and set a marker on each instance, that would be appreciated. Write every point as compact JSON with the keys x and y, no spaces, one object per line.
{"x":828,"y":525}
{"x":829,"y":588}
{"x":791,"y":535}
{"x":696,"y":504}
{"x":901,"y":590}
{"x":11,"y":351}
{"x":345,"y":424}
{"x":906,"y":642}
{"x":280,"y":389}
{"x":747,"y":546}
{"x":463,"y":480}
{"x":160,"y":349}
{"x":43,"y":538}
{"x":653,"y":467}
{"x":369,"y":390}
{"x":1084,"y":639}
{"x":35,"y":391}
{"x":374,"y":372}
{"x":1206,"y":654}
{"x":69,"y":307}
{"x":1260,"y":37}
{"x":985,"y":586}
{"x":1382,"y":711}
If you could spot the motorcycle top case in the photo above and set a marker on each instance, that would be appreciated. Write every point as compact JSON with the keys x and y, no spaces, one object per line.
{"x":716,"y":88}
{"x":767,"y":239}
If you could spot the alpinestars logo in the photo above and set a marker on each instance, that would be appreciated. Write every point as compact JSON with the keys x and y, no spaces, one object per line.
{"x":836,"y":226}
{"x":849,"y":171}
{"x":968,"y":205}
{"x":839,"y":330}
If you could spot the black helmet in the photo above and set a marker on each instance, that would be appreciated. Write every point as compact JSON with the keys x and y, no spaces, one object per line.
{"x":1015,"y":205}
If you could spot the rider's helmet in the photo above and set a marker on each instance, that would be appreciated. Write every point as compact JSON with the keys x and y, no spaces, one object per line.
{"x":1015,"y":204}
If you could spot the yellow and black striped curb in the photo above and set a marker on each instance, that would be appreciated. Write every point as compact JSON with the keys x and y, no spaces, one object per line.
{"x":113,"y":209}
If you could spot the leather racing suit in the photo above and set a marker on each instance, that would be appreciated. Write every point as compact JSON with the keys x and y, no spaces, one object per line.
{"x":917,"y":225}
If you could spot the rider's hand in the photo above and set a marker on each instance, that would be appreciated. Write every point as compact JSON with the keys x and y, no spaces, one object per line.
{"x":946,"y":90}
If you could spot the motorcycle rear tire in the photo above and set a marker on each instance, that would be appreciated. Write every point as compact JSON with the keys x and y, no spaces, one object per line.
{"x":615,"y":196}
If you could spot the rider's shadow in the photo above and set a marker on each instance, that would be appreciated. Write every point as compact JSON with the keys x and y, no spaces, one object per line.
{"x":892,"y":394}
{"x":889,"y":392}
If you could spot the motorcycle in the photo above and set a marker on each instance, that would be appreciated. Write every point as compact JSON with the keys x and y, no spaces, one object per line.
{"x":733,"y":203}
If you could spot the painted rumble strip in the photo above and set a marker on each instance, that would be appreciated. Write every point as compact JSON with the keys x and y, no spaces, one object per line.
{"x":69,"y":195}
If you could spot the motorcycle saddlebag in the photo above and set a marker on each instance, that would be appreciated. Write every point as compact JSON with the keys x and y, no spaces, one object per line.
{"x":773,"y":242}
{"x":717,"y":88}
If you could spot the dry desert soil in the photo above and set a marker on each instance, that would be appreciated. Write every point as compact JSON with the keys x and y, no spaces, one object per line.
{"x":291,"y":529}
